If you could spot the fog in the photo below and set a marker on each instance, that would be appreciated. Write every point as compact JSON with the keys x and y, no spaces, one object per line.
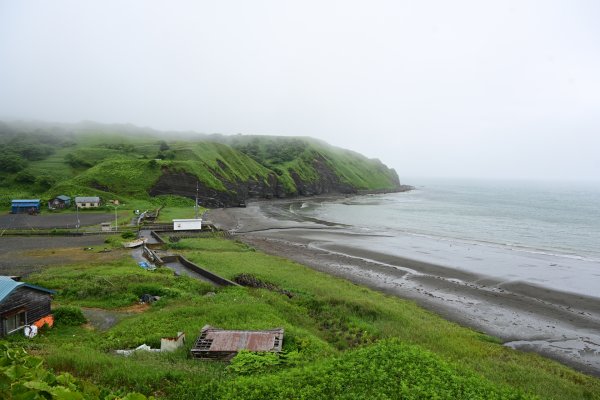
{"x":506,"y":89}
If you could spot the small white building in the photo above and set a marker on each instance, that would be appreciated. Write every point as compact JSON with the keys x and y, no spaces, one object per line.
{"x":187,"y":224}
{"x":87,"y":202}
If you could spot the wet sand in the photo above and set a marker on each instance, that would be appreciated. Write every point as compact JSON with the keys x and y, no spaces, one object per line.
{"x":526,"y":314}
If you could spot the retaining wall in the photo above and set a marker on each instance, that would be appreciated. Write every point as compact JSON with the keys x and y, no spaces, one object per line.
{"x":218,"y":280}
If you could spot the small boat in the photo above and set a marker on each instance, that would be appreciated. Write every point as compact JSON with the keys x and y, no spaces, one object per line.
{"x":135,"y":243}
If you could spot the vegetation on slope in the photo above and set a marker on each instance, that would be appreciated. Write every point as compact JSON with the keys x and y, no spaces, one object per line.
{"x":341,"y":340}
{"x":125,"y":163}
{"x":288,"y":156}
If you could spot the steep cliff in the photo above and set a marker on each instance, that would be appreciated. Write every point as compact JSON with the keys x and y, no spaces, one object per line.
{"x":122,"y":162}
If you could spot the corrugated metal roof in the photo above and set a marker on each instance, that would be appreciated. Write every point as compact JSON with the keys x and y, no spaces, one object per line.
{"x":63,"y":197}
{"x":26,"y":201}
{"x":7,"y":285}
{"x":87,"y":199}
{"x":220,"y":343}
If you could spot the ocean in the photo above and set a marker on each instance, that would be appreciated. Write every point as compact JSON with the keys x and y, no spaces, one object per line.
{"x":541,"y":232}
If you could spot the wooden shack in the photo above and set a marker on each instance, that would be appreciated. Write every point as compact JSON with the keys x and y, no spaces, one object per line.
{"x":61,"y":201}
{"x":22,"y":304}
{"x":221,"y":344}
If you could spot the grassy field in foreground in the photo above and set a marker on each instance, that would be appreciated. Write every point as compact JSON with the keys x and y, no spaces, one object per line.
{"x":341,"y":340}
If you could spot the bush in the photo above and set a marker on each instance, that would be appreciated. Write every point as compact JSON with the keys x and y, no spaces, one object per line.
{"x":128,"y":235}
{"x":69,"y":316}
{"x":11,"y":162}
{"x":386,"y":370}
{"x":25,"y":177}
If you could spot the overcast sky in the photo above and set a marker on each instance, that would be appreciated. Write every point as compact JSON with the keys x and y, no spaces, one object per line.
{"x":499,"y":89}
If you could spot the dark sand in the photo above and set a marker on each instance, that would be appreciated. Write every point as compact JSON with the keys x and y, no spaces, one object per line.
{"x":560,"y":325}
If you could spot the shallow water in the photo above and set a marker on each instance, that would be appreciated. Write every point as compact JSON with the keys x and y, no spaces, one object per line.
{"x":540,"y":233}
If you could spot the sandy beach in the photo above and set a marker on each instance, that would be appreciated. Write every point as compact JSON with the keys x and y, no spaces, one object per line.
{"x":473,"y":286}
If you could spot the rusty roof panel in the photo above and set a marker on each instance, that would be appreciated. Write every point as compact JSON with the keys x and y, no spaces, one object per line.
{"x":220,"y":343}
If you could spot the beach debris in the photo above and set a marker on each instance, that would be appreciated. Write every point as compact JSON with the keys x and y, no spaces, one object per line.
{"x":220,"y":344}
{"x":168,"y":344}
{"x":148,"y":298}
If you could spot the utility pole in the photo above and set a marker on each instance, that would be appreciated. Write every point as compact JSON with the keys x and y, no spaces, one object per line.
{"x":77,"y":212}
{"x":116,"y":220}
{"x":196,"y":206}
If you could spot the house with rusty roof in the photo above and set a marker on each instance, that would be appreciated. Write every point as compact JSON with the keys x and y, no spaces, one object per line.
{"x":221,"y":344}
{"x":23,"y":304}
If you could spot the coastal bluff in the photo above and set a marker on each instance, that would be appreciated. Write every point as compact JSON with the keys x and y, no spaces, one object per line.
{"x":130,"y":163}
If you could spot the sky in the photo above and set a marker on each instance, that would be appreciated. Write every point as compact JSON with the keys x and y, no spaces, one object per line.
{"x":475,"y":89}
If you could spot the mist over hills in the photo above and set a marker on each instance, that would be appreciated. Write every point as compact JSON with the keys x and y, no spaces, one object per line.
{"x":43,"y":160}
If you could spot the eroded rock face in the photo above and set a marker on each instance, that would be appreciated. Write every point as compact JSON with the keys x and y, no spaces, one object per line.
{"x":236,"y":192}
{"x":328,"y":181}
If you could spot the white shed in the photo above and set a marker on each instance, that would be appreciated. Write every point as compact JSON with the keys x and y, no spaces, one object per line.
{"x":87,"y":202}
{"x":187,"y":224}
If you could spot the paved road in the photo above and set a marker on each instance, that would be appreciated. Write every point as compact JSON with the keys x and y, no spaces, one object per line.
{"x":61,"y":221}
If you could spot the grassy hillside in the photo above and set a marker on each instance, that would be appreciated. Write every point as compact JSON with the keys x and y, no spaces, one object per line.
{"x":287,"y":155}
{"x":125,"y":162}
{"x":341,"y":340}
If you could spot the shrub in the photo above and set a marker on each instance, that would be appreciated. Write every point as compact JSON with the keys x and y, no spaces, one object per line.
{"x":69,"y":316}
{"x":128,"y":235}
{"x":386,"y":370}
{"x":25,"y":177}
{"x":246,"y":362}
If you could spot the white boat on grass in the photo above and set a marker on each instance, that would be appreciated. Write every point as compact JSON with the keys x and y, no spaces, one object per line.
{"x":135,"y":243}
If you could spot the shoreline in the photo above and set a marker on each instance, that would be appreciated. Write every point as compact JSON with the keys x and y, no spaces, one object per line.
{"x":560,"y":325}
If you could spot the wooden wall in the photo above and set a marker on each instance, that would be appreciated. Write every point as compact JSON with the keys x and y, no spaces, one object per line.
{"x":34,"y":302}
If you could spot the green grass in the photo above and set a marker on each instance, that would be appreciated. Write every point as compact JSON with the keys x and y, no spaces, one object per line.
{"x":101,"y":161}
{"x":167,"y":214}
{"x":341,"y":340}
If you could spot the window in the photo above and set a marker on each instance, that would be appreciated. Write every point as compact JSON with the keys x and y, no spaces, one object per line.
{"x":15,"y":322}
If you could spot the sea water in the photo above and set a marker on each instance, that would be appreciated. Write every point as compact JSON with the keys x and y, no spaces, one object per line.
{"x":540,"y":232}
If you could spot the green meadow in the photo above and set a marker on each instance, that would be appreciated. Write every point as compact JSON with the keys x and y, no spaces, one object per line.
{"x":341,"y":340}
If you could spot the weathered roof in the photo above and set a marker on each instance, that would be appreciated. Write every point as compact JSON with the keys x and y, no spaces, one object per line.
{"x":95,"y":199}
{"x":220,"y":343}
{"x":63,"y":197}
{"x":7,"y":285}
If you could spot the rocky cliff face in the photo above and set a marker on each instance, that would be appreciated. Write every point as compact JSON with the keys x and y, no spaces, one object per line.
{"x":328,"y":181}
{"x":184,"y":184}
